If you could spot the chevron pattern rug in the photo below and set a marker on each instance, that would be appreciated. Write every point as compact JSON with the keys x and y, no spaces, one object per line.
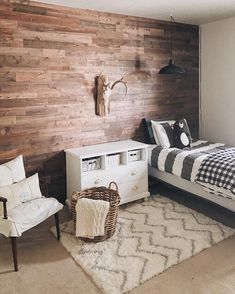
{"x":150,"y":237}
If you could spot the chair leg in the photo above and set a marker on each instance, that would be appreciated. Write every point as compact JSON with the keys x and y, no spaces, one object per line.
{"x":57,"y":223}
{"x":14,"y":252}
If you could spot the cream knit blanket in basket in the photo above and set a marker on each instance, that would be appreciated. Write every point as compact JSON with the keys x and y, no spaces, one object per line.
{"x":91,"y":216}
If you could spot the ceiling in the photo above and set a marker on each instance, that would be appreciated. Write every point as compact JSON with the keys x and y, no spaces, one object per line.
{"x":186,"y":11}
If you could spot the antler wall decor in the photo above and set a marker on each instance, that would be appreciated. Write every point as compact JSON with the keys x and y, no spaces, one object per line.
{"x":104,"y":90}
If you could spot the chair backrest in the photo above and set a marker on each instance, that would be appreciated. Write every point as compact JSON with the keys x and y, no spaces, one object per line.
{"x":12,"y":171}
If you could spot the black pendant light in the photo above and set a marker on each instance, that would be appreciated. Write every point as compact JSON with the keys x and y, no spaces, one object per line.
{"x":171,"y":68}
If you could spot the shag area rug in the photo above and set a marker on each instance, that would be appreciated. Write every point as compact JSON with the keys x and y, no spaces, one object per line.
{"x":150,"y":237}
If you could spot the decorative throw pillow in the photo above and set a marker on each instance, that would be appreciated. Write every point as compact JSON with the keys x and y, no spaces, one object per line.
{"x":182,"y":134}
{"x":12,"y":171}
{"x":23,"y":191}
{"x":186,"y":129}
{"x":163,"y":134}
{"x":28,"y":189}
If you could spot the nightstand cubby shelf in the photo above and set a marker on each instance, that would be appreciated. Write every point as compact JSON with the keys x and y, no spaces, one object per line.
{"x":124,"y":162}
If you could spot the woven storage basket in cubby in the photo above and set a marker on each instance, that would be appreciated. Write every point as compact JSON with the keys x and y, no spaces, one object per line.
{"x":100,"y":193}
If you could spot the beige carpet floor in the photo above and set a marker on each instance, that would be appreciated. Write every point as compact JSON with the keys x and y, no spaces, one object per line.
{"x":46,"y":267}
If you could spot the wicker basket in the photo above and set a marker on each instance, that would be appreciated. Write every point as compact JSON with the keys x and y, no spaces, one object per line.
{"x":100,"y":193}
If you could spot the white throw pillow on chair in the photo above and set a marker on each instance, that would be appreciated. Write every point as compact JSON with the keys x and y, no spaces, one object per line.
{"x":27,"y":189}
{"x":12,"y":171}
{"x":21,"y":192}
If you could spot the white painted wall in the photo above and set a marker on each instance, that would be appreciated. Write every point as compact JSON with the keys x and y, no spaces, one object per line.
{"x":218,"y":81}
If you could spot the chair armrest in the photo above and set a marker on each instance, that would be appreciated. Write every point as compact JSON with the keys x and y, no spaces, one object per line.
{"x":4,"y":201}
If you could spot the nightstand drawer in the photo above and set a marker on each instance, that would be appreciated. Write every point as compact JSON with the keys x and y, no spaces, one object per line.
{"x":134,"y":172}
{"x":130,"y":189}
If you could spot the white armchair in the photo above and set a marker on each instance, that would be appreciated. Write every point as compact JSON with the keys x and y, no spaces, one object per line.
{"x":23,"y":207}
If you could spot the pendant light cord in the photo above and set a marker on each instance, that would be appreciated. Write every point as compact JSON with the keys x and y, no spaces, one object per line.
{"x":172,"y":20}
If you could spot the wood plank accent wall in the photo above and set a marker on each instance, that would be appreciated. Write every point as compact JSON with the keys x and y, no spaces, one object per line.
{"x":49,"y":57}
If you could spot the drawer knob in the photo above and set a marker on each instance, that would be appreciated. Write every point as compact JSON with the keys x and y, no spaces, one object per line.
{"x":133,"y":173}
{"x":97,"y":181}
{"x":134,"y":188}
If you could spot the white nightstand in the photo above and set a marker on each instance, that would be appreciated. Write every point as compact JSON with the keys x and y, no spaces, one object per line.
{"x":125,"y":162}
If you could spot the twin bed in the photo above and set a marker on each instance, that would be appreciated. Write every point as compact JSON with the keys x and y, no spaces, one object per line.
{"x":203,"y":168}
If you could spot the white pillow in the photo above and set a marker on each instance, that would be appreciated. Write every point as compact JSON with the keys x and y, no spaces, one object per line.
{"x":23,"y":191}
{"x":28,"y":189}
{"x":12,"y":171}
{"x":160,"y":134}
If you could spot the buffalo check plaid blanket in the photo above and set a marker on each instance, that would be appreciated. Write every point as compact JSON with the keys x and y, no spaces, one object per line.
{"x":217,"y":173}
{"x":211,"y":165}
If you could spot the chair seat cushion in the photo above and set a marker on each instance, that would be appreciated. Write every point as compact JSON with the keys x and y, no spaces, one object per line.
{"x":28,"y":215}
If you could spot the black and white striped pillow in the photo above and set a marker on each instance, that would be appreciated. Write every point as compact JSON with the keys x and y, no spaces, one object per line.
{"x":163,"y":134}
